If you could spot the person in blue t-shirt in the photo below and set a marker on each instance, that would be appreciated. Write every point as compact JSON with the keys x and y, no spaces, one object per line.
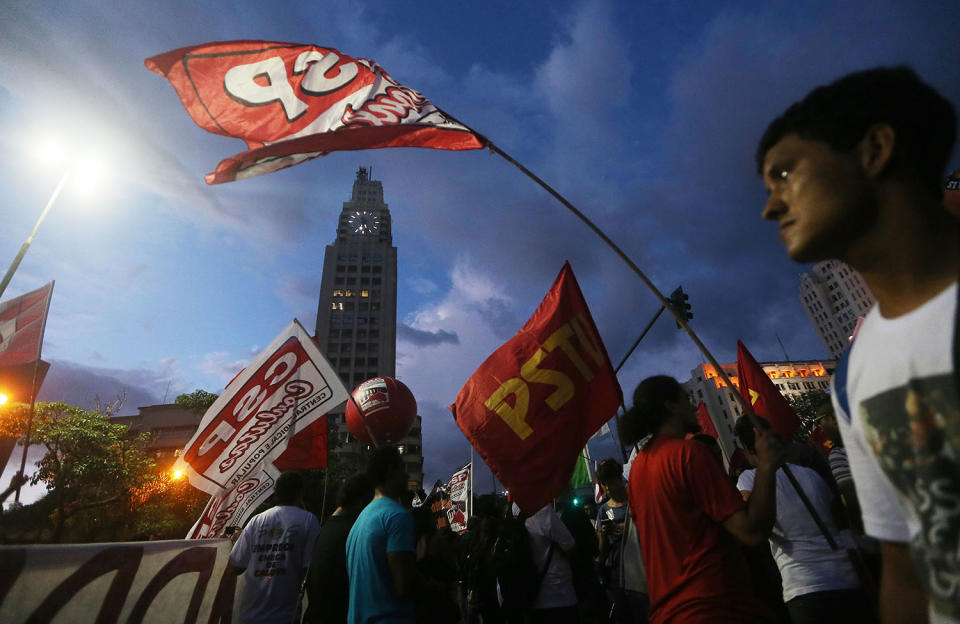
{"x":381,"y":558}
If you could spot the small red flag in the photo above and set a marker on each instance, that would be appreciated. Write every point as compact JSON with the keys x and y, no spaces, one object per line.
{"x":706,"y":425}
{"x":819,"y":440}
{"x":22,"y":321}
{"x":762,"y":394}
{"x":530,"y":408}
{"x":307,"y":450}
{"x":291,"y":103}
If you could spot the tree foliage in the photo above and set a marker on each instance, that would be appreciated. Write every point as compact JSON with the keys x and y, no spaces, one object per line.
{"x":90,"y":462}
{"x":198,"y":400}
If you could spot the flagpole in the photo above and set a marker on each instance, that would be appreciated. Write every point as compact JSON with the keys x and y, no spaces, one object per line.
{"x":36,"y":363}
{"x":26,"y":244}
{"x":680,"y":318}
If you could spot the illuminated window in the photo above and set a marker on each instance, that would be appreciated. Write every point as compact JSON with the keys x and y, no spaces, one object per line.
{"x":348,"y":293}
{"x":401,"y":449}
{"x":338,"y":293}
{"x":364,"y":293}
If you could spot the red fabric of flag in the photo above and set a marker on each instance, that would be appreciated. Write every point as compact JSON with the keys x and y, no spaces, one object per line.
{"x":22,"y":321}
{"x":819,"y":440}
{"x":307,"y":450}
{"x":762,"y":394}
{"x":530,"y":408}
{"x":291,"y":103}
{"x":706,"y":425}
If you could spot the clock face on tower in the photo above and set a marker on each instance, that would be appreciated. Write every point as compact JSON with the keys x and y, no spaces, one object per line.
{"x":364,"y":222}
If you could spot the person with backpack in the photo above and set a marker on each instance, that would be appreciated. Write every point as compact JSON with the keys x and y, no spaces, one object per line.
{"x":619,"y":558}
{"x":534,"y":577}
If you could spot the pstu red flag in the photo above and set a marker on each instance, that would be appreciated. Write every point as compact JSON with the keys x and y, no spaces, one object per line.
{"x":291,"y":103}
{"x":530,"y":408}
{"x":819,"y":440}
{"x":762,"y":394}
{"x":706,"y":425}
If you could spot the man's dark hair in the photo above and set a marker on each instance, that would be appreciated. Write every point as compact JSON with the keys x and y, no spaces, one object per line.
{"x":744,"y":431}
{"x":609,"y":471}
{"x":649,"y":408}
{"x":355,"y":491}
{"x":840,"y":113}
{"x":379,"y":463}
{"x":289,"y":488}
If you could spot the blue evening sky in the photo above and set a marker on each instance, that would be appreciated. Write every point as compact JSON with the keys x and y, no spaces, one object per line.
{"x":644,"y":114}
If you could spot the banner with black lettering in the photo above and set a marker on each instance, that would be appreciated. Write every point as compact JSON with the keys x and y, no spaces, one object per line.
{"x":286,"y":388}
{"x":150,"y":582}
{"x":458,"y":513}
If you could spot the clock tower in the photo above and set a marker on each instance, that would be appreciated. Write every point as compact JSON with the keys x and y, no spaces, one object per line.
{"x":357,"y":311}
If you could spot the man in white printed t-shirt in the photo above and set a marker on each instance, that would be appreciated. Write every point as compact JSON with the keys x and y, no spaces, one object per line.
{"x":274,"y":552}
{"x":551,"y":544}
{"x":820,"y":584}
{"x":855,"y":172}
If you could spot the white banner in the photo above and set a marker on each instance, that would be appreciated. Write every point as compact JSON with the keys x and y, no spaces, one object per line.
{"x":459,"y":491}
{"x":286,"y":388}
{"x":162,"y":582}
{"x":234,"y":508}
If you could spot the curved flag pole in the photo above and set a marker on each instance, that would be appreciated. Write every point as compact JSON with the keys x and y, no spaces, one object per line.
{"x":677,"y":315}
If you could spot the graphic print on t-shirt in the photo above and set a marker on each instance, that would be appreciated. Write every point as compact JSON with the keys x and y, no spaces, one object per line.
{"x":914,"y":431}
{"x":271,"y":557}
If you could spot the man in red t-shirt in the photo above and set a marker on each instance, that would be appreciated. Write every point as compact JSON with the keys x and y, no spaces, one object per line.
{"x":689,"y":516}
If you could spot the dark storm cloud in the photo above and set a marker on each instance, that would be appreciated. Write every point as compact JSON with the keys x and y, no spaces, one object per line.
{"x":423,"y":338}
{"x":79,"y":385}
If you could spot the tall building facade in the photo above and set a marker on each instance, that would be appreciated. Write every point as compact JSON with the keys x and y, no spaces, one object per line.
{"x":791,"y":378}
{"x":835,"y":297}
{"x":357,"y":311}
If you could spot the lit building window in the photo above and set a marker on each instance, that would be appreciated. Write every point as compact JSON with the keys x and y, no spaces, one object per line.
{"x":364,"y":293}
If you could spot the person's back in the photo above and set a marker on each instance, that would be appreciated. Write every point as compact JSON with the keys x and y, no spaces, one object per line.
{"x":328,"y":584}
{"x":273,"y":552}
{"x":383,"y":526}
{"x":806,"y":561}
{"x":679,"y":496}
{"x":551,"y":544}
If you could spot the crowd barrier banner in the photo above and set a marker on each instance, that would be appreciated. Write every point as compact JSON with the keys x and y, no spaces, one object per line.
{"x":129,"y":582}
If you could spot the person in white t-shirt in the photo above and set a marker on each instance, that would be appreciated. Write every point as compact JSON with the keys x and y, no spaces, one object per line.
{"x":274,"y":552}
{"x":820,"y":584}
{"x":550,"y":545}
{"x":855,"y":172}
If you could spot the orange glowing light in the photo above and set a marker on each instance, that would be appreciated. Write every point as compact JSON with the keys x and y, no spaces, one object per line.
{"x":3,"y":398}
{"x":177,"y":474}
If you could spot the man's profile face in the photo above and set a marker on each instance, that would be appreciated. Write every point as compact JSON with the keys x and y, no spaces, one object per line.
{"x":819,"y":197}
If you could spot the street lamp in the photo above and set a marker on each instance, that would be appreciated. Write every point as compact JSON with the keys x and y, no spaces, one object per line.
{"x":3,"y":398}
{"x":84,"y":169}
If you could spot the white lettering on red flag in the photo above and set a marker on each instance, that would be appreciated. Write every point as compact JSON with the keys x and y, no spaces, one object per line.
{"x":291,"y":103}
{"x":286,"y":388}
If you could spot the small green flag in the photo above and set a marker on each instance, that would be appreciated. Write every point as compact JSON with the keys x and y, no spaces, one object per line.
{"x":581,"y":474}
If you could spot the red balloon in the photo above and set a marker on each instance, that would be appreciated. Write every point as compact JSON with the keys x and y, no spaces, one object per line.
{"x":389,"y":410}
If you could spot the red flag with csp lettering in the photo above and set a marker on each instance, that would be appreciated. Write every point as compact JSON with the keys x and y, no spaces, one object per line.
{"x":530,"y":408}
{"x":22,"y":321}
{"x":291,"y":103}
{"x":762,"y":394}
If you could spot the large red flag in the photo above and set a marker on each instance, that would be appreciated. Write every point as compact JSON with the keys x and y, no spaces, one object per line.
{"x":706,"y":425}
{"x":530,"y":408}
{"x":291,"y":103}
{"x":762,"y":394}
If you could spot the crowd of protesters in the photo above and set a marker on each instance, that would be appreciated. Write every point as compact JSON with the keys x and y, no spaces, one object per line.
{"x":870,"y":534}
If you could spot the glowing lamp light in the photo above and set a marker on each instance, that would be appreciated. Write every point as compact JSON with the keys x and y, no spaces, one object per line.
{"x":177,"y":474}
{"x":3,"y":398}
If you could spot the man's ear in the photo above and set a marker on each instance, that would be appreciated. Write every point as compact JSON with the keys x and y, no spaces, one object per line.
{"x":876,"y":149}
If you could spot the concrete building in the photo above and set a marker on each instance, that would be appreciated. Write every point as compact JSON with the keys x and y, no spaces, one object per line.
{"x":791,"y":379}
{"x":170,"y":428}
{"x":835,"y":297}
{"x":357,"y":310}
